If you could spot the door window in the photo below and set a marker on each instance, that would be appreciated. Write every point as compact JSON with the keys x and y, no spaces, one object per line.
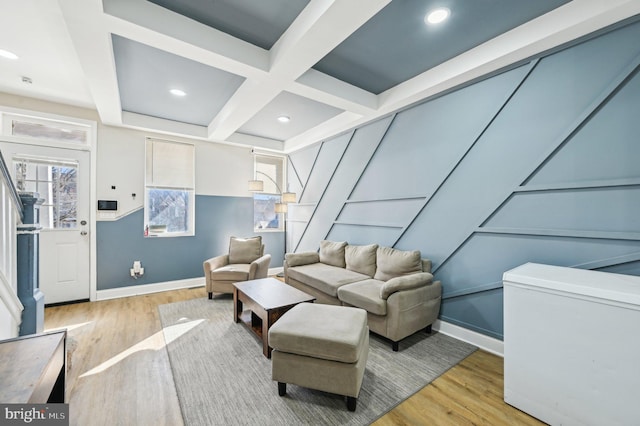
{"x":57,"y":184}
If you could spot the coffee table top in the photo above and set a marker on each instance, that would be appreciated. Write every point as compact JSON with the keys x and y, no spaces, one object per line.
{"x":271,"y":293}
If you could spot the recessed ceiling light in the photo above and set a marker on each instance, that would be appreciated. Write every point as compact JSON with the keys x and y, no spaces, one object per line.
{"x":177,"y":92}
{"x":284,"y":119}
{"x":437,"y":15}
{"x":8,"y":55}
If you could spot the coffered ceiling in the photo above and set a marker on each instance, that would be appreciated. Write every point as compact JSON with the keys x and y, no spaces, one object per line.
{"x":326,"y":65}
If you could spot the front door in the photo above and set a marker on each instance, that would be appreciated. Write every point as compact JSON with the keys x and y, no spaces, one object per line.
{"x":61,"y":177}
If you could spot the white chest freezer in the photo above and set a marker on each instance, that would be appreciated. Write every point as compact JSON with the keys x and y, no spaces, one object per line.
{"x":572,"y":345}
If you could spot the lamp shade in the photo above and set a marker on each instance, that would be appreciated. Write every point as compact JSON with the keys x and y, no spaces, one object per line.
{"x":281,"y":208}
{"x":288,"y":197}
{"x":256,"y":185}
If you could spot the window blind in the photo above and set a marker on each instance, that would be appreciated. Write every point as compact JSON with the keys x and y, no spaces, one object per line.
{"x":170,"y":165}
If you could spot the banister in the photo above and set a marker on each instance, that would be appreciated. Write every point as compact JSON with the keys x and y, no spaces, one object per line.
{"x":13,"y":192}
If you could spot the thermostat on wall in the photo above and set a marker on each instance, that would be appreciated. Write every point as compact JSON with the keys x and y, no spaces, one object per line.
{"x":107,"y":205}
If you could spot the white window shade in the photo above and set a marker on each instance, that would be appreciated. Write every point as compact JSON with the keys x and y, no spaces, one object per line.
{"x":169,"y":165}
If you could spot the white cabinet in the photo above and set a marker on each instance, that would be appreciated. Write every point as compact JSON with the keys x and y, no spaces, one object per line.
{"x":572,"y":345}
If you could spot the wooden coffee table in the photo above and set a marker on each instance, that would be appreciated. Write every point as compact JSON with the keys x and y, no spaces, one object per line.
{"x":266,"y":300}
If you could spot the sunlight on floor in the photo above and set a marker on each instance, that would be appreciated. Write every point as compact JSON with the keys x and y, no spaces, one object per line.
{"x":154,"y":342}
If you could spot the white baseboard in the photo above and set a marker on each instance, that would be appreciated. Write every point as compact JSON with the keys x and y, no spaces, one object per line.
{"x":275,"y":271}
{"x":135,"y":290}
{"x":486,"y":343}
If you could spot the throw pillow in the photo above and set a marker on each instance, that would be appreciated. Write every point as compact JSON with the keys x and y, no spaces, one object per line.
{"x":391,"y":263}
{"x":245,"y":250}
{"x":332,"y":253}
{"x":361,"y":259}
{"x":298,"y":259}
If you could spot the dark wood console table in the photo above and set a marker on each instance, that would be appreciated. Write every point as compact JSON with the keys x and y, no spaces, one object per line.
{"x":33,"y":369}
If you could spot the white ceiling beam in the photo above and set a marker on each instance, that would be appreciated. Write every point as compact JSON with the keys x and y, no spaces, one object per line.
{"x":329,"y":128}
{"x":86,"y":26}
{"x":153,"y":25}
{"x":319,"y":28}
{"x":573,"y":20}
{"x":160,"y":125}
{"x":562,"y":25}
{"x":329,"y":90}
{"x":256,"y":141}
{"x":248,"y":100}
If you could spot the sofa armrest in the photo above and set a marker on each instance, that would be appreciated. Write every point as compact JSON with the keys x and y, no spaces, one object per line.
{"x":405,"y":282}
{"x":304,"y":258}
{"x":214,"y":263}
{"x":260,"y":267}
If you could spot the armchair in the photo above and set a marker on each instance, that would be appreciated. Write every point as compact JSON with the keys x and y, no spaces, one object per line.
{"x":245,"y":261}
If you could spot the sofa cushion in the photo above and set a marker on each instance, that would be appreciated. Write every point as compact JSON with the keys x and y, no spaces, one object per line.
{"x":361,"y":258}
{"x":332,"y":253}
{"x":335,"y":333}
{"x":391,"y":263}
{"x":364,"y":294}
{"x":245,"y":250}
{"x":304,"y":258}
{"x":232,"y":272}
{"x":323,"y":277}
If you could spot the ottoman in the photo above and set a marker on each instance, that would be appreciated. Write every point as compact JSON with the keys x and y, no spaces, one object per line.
{"x":322,"y":347}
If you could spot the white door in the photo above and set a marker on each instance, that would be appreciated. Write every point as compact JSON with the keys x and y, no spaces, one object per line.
{"x":62,"y":178}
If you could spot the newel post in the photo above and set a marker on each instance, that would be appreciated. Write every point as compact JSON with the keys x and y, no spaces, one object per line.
{"x":28,"y":245}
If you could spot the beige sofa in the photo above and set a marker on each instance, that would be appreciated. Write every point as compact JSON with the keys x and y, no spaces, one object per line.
{"x":395,"y":287}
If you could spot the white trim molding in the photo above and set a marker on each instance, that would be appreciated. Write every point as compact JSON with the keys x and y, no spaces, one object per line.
{"x":482,"y":341}
{"x":135,"y":290}
{"x":275,"y":271}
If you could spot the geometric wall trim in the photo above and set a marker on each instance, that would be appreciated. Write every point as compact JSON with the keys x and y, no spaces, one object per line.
{"x":536,"y":164}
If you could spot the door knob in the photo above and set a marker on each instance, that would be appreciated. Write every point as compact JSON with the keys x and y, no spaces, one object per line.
{"x":83,"y":232}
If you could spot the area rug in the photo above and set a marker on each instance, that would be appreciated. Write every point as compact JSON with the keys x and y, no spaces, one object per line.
{"x":222,"y":378}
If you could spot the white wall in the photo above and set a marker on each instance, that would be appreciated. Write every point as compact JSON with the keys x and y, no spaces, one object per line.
{"x":220,"y":169}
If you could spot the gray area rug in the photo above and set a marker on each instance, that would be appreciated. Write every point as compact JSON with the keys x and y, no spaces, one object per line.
{"x":222,"y":378}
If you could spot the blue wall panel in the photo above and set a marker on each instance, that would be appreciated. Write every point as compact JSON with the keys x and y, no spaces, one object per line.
{"x":606,"y":148}
{"x":362,"y":235}
{"x":538,"y":164}
{"x":480,"y":262}
{"x":382,"y":212}
{"x":481,"y":312}
{"x":324,"y":166}
{"x":361,"y":147}
{"x":121,"y":242}
{"x":579,"y":209}
{"x":425,"y":142}
{"x":302,"y":164}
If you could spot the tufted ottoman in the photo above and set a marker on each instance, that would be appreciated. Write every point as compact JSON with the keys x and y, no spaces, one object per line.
{"x":322,"y":347}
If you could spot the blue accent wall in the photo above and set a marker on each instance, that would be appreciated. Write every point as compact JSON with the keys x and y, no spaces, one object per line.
{"x":536,"y":164}
{"x":120,"y":242}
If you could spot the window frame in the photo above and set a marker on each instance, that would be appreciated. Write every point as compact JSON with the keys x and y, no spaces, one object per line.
{"x":275,"y":182}
{"x":188,"y":189}
{"x":52,"y":209}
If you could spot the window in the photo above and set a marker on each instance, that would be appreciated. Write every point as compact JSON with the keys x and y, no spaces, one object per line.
{"x":270,"y":170}
{"x":45,"y":129}
{"x":169,"y":189}
{"x":56,"y":183}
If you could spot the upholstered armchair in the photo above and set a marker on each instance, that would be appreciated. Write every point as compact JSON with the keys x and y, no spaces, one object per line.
{"x":246,"y":261}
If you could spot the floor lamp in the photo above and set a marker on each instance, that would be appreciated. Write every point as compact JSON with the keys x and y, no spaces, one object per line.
{"x":257,"y":185}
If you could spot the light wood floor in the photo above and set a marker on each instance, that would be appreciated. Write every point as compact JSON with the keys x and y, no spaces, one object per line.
{"x":119,"y":372}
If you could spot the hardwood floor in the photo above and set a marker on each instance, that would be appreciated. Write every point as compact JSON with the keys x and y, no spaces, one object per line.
{"x":119,"y":373}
